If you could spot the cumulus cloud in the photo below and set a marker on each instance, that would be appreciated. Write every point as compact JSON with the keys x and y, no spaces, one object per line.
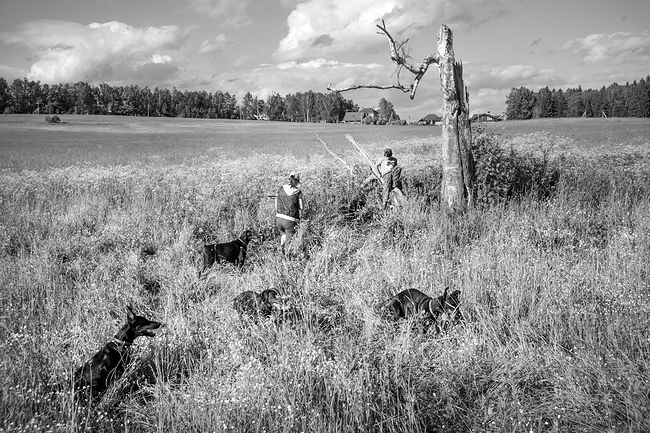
{"x":507,"y":77}
{"x":214,"y":45}
{"x":229,"y":12}
{"x":112,"y":51}
{"x":295,"y":76}
{"x":619,"y":46}
{"x":325,"y":27}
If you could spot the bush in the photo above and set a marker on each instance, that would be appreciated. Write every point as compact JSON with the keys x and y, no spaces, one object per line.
{"x":52,"y":119}
{"x":505,"y":173}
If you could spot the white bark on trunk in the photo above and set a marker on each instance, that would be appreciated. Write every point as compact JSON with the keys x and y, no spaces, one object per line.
{"x":457,"y":161}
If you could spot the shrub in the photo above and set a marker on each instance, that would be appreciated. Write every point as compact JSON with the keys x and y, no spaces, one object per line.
{"x":503,"y":173}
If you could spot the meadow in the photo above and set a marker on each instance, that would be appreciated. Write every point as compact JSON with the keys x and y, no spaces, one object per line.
{"x":553,"y":265}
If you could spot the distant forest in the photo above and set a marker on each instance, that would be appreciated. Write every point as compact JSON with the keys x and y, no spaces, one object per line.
{"x":25,"y":96}
{"x":629,"y":100}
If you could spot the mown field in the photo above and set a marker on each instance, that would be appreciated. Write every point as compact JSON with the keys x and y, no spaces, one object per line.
{"x":553,"y":265}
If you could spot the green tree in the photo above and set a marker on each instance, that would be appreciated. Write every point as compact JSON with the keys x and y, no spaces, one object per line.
{"x":246,"y":109}
{"x":618,"y":103}
{"x":19,"y":94}
{"x":638,"y":101}
{"x":543,"y":104}
{"x":4,"y":95}
{"x":575,"y":104}
{"x":275,"y":107}
{"x":559,"y":103}
{"x":293,"y":107}
{"x":520,"y":103}
{"x":386,"y":110}
{"x":85,"y":100}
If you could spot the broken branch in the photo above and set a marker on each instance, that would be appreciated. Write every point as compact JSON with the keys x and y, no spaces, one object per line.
{"x":333,"y":154}
{"x":370,"y":86}
{"x":402,"y":62}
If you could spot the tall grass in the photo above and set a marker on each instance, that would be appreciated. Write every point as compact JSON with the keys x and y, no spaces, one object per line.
{"x":555,"y":289}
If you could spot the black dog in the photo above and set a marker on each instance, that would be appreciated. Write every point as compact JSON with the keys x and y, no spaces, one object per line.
{"x":412,"y":302}
{"x":231,"y":252}
{"x":108,"y":364}
{"x":451,"y":314}
{"x":257,"y":305}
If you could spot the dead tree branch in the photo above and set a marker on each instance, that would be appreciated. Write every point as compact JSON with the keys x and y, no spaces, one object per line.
{"x":398,"y":56}
{"x":370,"y":86}
{"x":334,"y":154}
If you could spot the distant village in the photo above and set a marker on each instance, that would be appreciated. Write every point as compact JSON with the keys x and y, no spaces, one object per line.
{"x":370,"y":116}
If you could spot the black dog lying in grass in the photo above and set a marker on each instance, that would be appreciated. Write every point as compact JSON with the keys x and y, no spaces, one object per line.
{"x":257,"y":305}
{"x":108,"y":364}
{"x":230,"y":252}
{"x":412,"y":303}
{"x":269,"y":304}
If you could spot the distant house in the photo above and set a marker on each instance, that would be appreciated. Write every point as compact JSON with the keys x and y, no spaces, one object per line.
{"x":429,"y":119}
{"x":353,"y":117}
{"x":359,"y":116}
{"x":484,"y":117}
{"x":369,"y":112}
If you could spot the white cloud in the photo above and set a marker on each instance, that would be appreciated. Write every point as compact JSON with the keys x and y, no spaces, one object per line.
{"x":160,"y":59}
{"x":293,"y":76}
{"x":229,"y":12}
{"x":507,"y":77}
{"x":619,"y":46}
{"x":214,"y":45}
{"x":322,"y":64}
{"x":325,"y":27}
{"x":112,"y":51}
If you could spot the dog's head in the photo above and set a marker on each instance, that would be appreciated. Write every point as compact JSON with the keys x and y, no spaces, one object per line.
{"x":247,"y":236}
{"x":271,"y":296}
{"x":453,"y":300}
{"x":141,"y":326}
{"x":433,"y":307}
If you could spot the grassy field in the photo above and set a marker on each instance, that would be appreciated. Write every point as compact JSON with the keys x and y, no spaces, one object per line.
{"x":554,"y":274}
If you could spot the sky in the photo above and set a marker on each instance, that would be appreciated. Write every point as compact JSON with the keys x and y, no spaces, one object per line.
{"x":286,"y":46}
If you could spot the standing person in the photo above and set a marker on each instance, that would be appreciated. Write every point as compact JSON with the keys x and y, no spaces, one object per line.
{"x":288,"y":205}
{"x":391,"y":175}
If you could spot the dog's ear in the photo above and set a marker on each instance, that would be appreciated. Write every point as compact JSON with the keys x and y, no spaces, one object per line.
{"x":434,"y":307}
{"x":130,"y":315}
{"x":453,"y":299}
{"x":270,"y":295}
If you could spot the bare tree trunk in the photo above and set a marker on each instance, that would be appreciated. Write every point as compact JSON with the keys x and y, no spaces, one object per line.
{"x":457,"y":160}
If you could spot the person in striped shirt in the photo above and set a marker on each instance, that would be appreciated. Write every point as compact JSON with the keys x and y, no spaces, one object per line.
{"x":288,"y":206}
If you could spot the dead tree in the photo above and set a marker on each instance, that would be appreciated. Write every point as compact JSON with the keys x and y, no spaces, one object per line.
{"x":457,"y":160}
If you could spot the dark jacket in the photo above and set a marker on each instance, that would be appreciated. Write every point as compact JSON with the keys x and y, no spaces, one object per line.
{"x":288,"y":205}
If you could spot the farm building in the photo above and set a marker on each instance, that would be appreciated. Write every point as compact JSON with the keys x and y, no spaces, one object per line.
{"x":429,"y":119}
{"x":369,"y":112}
{"x":359,"y":116}
{"x":484,"y":117}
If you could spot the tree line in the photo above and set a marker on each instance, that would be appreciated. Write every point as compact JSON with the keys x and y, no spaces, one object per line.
{"x":629,"y":100}
{"x":26,"y":96}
